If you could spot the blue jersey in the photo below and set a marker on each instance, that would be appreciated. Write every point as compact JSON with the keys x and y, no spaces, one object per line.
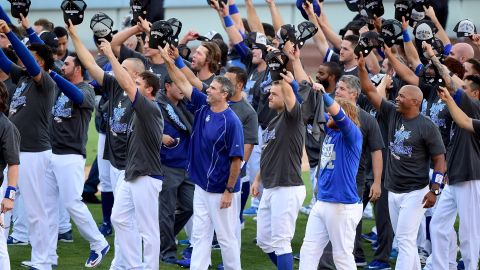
{"x":216,"y":138}
{"x":175,"y":156}
{"x":339,"y":162}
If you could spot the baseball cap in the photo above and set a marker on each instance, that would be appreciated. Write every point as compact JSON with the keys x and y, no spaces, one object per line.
{"x":465,"y":28}
{"x":210,"y":35}
{"x":256,"y":40}
{"x":160,"y":34}
{"x":390,"y":32}
{"x":277,"y":63}
{"x":73,"y":10}
{"x":50,"y":39}
{"x":316,"y":8}
{"x":101,"y":25}
{"x":20,"y":6}
{"x":286,"y":33}
{"x":176,"y":29}
{"x":377,"y":79}
{"x":306,"y":30}
{"x":403,"y":8}
{"x":138,"y":10}
{"x":367,"y":42}
{"x":373,"y":7}
{"x":418,"y":13}
{"x":425,"y":30}
{"x":352,"y":5}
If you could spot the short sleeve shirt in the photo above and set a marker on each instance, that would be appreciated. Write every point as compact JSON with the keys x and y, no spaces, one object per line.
{"x":411,"y":144}
{"x":119,"y":113}
{"x":70,"y":122}
{"x":144,"y":139}
{"x":31,"y":109}
{"x":10,"y":143}
{"x":283,"y":142}
{"x":476,"y":126}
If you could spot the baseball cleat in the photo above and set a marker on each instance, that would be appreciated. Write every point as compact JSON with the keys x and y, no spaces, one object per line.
{"x":66,"y":237}
{"x":14,"y":242}
{"x":96,"y":257}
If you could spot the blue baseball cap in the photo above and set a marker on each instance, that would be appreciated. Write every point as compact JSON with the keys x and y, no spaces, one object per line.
{"x":316,"y":8}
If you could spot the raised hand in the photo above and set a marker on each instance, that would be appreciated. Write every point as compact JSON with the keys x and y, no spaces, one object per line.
{"x":4,"y":27}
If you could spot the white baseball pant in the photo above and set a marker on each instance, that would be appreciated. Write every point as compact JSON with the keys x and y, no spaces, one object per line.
{"x":276,"y":218}
{"x":64,"y":183}
{"x":313,"y":183}
{"x":452,"y":252}
{"x":334,"y":222}
{"x":207,"y":218}
{"x":116,"y":176}
{"x":135,"y":218}
{"x":19,"y":218}
{"x":103,"y":165}
{"x":64,"y":224}
{"x":31,"y":182}
{"x":253,"y":166}
{"x":406,"y":213}
{"x":463,"y":197}
{"x":4,"y":258}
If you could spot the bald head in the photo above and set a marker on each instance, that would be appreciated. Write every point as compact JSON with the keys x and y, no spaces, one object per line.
{"x":462,"y":52}
{"x":413,"y":92}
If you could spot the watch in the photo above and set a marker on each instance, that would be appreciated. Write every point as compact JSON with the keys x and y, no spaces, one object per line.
{"x":230,"y":189}
{"x":435,"y":192}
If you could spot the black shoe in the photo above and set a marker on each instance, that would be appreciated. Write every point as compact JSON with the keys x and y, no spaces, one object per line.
{"x":88,"y":197}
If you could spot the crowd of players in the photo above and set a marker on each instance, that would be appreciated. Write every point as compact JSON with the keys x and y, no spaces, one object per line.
{"x":391,"y":117}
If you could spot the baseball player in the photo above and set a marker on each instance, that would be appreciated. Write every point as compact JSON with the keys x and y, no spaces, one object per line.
{"x":65,"y":175}
{"x":9,"y":156}
{"x":280,"y":174}
{"x":413,"y":140}
{"x":30,"y":112}
{"x":215,"y":157}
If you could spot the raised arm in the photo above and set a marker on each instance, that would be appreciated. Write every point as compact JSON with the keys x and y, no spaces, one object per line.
{"x":327,"y":29}
{"x":232,"y":31}
{"x":68,"y":88}
{"x":177,"y":76}
{"x":460,"y":118}
{"x":410,"y":50}
{"x":23,"y":53}
{"x":442,"y":70}
{"x":319,"y":38}
{"x":253,"y":19}
{"x":235,"y":14}
{"x":441,"y":34}
{"x":401,"y":69}
{"x":122,"y":36}
{"x":288,"y":91}
{"x":194,"y":80}
{"x":277,"y":20}
{"x":32,"y":36}
{"x":293,"y":53}
{"x":367,"y":86}
{"x":121,"y":75}
{"x":85,"y":56}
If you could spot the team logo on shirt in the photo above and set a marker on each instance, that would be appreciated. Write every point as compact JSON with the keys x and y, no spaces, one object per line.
{"x":424,"y":106}
{"x":328,"y":154}
{"x":60,"y":109}
{"x":434,"y":112}
{"x":207,"y":119}
{"x":267,"y":136}
{"x":397,"y":147}
{"x":116,"y":126}
{"x":18,"y":100}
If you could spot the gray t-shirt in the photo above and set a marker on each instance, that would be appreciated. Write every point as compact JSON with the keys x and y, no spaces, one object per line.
{"x":31,"y":109}
{"x":144,"y":139}
{"x":159,"y":69}
{"x":10,"y":142}
{"x":372,"y":141}
{"x":248,"y":118}
{"x":476,"y":126}
{"x":281,"y":159}
{"x":11,"y":87}
{"x":120,"y":113}
{"x":412,"y":143}
{"x":464,"y":150}
{"x":70,"y":122}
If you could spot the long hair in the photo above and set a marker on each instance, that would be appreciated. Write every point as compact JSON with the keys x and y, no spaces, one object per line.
{"x":350,"y":110}
{"x":213,"y":56}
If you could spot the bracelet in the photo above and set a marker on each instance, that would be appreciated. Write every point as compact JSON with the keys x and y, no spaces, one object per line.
{"x":228,"y":21}
{"x":10,"y":193}
{"x":406,"y":36}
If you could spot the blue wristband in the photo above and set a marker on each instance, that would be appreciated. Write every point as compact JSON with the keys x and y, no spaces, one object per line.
{"x":232,"y":9}
{"x":228,"y":21}
{"x":179,"y":62}
{"x":10,"y":192}
{"x":406,"y":36}
{"x":437,"y":178}
{"x":328,"y":100}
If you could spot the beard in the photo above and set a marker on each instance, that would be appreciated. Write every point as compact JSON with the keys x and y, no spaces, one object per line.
{"x":325,"y":84}
{"x":331,"y":124}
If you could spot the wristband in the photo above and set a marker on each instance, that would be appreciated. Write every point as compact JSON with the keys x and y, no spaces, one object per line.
{"x":228,"y":21}
{"x":10,"y":193}
{"x":437,"y":178}
{"x":179,"y":62}
{"x":328,"y":100}
{"x":406,"y":36}
{"x":232,"y":9}
{"x":30,"y":30}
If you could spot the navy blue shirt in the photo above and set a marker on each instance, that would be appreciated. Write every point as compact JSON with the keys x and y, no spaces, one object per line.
{"x":339,"y":163}
{"x":175,"y":156}
{"x":216,"y":138}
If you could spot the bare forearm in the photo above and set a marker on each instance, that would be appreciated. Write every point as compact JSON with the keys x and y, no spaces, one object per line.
{"x":276,"y":17}
{"x":253,"y":19}
{"x":234,"y":171}
{"x":299,"y":72}
{"x":247,"y":151}
{"x":123,"y":78}
{"x":12,"y":175}
{"x":460,"y":118}
{"x":377,"y":166}
{"x":194,"y":80}
{"x":121,"y":37}
{"x":179,"y":79}
{"x":87,"y":60}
